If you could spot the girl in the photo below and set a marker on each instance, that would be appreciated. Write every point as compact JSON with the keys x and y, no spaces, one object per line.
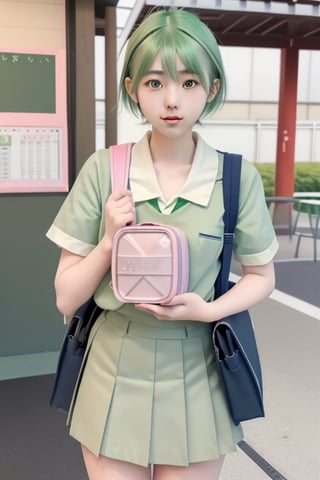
{"x":150,"y":403}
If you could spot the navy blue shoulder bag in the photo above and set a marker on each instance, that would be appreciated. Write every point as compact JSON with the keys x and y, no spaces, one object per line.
{"x":233,"y":337}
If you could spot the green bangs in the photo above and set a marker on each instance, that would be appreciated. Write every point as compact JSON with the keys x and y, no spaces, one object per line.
{"x":173,"y":33}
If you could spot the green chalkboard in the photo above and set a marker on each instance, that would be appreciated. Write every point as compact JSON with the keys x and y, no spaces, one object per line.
{"x":27,"y":83}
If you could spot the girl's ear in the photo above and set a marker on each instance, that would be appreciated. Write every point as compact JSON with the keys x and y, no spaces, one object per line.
{"x":131,"y":92}
{"x":214,"y":90}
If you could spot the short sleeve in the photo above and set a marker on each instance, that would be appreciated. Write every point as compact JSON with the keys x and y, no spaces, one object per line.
{"x":78,"y":224}
{"x":255,"y":240}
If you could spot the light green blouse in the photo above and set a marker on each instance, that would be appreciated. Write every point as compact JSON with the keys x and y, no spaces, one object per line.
{"x":79,"y":225}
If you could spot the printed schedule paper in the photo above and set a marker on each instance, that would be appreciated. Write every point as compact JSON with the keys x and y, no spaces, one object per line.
{"x":30,"y":155}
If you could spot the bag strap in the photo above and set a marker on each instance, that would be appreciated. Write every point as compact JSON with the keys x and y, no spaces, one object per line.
{"x":120,"y":156}
{"x":231,"y":187}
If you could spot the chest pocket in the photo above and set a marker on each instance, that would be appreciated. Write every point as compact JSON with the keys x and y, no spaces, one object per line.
{"x":206,"y":250}
{"x":210,"y":245}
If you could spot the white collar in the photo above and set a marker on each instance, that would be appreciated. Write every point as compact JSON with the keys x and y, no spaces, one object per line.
{"x":198,"y":186}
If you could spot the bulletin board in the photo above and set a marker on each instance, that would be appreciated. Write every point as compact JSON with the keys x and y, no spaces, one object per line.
{"x":33,"y":121}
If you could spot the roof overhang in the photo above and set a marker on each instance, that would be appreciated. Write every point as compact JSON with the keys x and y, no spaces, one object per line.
{"x":251,"y":23}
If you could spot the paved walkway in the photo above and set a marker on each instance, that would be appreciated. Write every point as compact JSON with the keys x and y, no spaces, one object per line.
{"x":289,"y":437}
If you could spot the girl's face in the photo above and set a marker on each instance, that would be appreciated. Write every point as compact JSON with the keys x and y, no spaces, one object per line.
{"x":171,"y":106}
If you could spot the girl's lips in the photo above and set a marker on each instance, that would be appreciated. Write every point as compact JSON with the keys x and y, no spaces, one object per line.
{"x":172,"y":119}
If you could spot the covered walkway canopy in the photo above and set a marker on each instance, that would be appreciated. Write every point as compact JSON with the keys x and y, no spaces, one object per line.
{"x":249,"y":23}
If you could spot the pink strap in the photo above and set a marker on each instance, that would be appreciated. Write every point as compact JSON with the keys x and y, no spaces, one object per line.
{"x":120,"y":164}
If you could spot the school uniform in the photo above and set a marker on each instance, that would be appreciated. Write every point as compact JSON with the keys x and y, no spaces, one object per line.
{"x":149,"y":390}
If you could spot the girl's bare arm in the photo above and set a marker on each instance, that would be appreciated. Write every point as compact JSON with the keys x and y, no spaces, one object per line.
{"x":255,"y":285}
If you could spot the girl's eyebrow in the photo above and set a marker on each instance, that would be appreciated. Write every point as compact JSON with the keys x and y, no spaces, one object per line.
{"x":155,"y":72}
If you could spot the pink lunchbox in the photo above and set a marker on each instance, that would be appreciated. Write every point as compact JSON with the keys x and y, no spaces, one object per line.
{"x":150,"y":263}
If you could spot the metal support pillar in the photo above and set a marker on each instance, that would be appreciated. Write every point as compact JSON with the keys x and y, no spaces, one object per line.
{"x":84,"y":126}
{"x":284,"y":175}
{"x":111,"y":126}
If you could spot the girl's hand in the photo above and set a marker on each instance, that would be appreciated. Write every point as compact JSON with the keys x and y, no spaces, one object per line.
{"x":187,"y":306}
{"x":119,"y":211}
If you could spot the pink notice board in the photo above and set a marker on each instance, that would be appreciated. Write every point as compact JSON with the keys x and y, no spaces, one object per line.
{"x":33,"y":121}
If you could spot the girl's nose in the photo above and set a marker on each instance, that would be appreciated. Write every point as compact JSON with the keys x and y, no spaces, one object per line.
{"x":172,"y":97}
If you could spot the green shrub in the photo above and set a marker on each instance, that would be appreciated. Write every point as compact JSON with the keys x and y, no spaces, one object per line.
{"x":307,"y":177}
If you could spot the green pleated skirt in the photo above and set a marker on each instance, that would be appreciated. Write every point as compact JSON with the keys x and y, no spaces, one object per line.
{"x":149,"y":393}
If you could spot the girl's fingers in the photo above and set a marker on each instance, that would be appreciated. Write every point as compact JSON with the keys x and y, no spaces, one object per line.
{"x":119,"y":194}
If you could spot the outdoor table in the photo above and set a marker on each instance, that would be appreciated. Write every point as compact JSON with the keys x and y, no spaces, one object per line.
{"x":312,"y":208}
{"x":307,"y":195}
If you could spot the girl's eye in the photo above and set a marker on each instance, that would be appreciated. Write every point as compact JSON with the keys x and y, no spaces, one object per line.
{"x":154,"y":84}
{"x":190,"y":83}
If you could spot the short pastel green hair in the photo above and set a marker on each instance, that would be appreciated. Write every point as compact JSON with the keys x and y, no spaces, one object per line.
{"x":173,"y":32}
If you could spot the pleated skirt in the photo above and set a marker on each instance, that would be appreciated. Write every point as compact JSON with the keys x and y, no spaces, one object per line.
{"x":151,"y":394}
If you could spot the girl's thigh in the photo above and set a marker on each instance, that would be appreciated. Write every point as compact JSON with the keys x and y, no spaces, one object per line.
{"x":103,"y":468}
{"x":199,"y":471}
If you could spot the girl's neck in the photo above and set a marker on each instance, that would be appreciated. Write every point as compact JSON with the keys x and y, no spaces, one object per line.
{"x":166,"y":150}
